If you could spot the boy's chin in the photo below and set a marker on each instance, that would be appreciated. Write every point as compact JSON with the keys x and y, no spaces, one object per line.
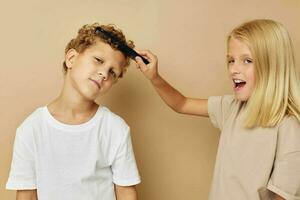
{"x":89,"y":96}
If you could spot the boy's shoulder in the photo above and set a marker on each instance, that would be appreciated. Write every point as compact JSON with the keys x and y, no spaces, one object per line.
{"x":29,"y":124}
{"x":112,"y":119}
{"x":32,"y":118}
{"x":106,"y":121}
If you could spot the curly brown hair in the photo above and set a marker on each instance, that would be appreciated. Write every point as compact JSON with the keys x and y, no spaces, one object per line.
{"x":87,"y":37}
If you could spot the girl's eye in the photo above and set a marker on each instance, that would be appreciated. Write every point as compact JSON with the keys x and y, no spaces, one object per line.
{"x":248,"y":61}
{"x":230,"y":61}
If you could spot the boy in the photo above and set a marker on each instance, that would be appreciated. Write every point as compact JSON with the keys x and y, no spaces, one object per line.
{"x":73,"y":148}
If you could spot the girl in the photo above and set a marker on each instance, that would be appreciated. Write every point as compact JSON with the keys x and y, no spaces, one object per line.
{"x":259,"y":149}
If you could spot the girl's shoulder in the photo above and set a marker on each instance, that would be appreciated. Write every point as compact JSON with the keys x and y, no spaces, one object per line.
{"x":289,"y":124}
{"x":289,"y":120}
{"x":225,"y":101}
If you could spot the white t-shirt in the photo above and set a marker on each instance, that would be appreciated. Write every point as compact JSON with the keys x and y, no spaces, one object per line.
{"x":73,"y":162}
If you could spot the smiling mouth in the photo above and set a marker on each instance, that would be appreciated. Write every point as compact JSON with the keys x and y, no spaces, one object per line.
{"x":238,"y":84}
{"x":97,"y":84}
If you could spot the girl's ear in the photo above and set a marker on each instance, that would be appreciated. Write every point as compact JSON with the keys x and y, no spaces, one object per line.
{"x":70,"y":57}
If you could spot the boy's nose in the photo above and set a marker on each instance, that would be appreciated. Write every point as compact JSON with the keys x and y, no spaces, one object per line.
{"x":102,"y":75}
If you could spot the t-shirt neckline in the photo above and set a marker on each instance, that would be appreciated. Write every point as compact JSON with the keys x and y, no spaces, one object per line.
{"x":70,"y":127}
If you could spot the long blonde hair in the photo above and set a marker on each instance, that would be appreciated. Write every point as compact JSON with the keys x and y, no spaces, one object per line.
{"x":277,"y":84}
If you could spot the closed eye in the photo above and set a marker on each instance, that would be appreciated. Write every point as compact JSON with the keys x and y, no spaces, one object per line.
{"x":99,"y":60}
{"x":113,"y":73}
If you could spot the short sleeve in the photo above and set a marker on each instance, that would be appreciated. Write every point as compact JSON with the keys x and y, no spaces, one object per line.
{"x":285,"y":178}
{"x":22,"y":172}
{"x":219,"y":108}
{"x":125,"y":172}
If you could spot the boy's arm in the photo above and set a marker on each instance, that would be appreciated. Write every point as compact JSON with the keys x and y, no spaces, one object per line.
{"x":126,"y":192}
{"x":26,"y":195}
{"x":172,"y":97}
{"x":277,"y":197}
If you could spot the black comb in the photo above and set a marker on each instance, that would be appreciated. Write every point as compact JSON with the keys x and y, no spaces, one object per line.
{"x":121,"y":45}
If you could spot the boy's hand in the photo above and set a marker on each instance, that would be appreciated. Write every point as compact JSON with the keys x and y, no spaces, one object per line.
{"x":149,"y":70}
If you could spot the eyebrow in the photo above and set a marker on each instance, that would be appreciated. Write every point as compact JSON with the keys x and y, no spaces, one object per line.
{"x":243,"y":55}
{"x":111,"y":67}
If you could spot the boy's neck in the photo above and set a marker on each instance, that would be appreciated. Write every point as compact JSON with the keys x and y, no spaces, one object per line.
{"x":69,"y":108}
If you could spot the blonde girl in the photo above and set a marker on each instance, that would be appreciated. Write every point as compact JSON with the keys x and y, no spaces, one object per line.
{"x":259,"y":150}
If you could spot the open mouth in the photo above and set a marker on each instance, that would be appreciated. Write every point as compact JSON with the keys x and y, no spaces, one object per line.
{"x":238,"y":83}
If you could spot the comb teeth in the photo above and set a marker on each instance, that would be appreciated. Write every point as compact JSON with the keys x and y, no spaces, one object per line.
{"x":113,"y":38}
{"x":121,"y":45}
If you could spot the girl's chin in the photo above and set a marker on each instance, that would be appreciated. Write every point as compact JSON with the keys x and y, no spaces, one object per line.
{"x":241,"y":97}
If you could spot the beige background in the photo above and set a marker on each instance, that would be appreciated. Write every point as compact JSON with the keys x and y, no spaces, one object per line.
{"x":175,"y":153}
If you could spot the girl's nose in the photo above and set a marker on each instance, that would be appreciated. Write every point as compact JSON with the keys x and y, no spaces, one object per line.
{"x":234,"y":68}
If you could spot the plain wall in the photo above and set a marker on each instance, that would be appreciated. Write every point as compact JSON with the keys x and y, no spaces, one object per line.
{"x":175,"y":153}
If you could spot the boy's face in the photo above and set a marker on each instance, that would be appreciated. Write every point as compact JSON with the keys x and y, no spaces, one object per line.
{"x":93,"y":72}
{"x":241,"y":69}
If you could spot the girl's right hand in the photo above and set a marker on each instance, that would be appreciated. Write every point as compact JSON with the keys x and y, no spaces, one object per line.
{"x":149,"y":70}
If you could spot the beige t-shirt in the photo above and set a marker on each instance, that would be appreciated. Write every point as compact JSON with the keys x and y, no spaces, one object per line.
{"x":250,"y":161}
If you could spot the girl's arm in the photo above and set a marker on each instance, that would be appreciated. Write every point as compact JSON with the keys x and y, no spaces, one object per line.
{"x":172,"y":97}
{"x":26,"y":195}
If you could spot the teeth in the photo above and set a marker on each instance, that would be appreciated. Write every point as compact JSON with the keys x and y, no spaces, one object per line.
{"x":238,"y":81}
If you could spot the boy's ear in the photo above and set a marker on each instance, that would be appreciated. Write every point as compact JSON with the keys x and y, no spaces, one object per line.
{"x":70,"y":57}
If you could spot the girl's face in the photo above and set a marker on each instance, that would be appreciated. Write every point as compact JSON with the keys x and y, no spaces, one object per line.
{"x":241,"y":69}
